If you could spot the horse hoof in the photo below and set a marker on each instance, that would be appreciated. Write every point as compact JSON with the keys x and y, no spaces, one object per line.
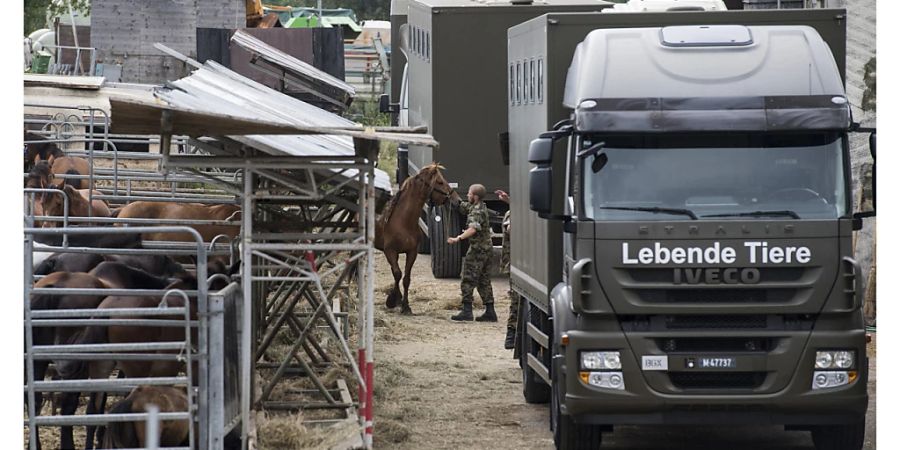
{"x":391,"y":302}
{"x":406,"y":312}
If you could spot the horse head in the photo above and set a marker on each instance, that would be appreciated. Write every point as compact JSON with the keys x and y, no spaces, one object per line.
{"x":36,"y":152}
{"x":441,"y":191}
{"x":53,"y":204}
{"x":40,"y":176}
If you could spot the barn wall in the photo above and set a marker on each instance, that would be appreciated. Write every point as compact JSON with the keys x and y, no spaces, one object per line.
{"x":124,"y":31}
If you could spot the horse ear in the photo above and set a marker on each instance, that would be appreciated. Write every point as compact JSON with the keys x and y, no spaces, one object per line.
{"x":50,"y":159}
{"x":37,"y":158}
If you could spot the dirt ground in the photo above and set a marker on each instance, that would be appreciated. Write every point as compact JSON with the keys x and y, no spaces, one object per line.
{"x":447,"y":385}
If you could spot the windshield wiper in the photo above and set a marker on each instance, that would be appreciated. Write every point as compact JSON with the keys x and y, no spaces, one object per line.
{"x":784,"y":212}
{"x":655,"y":210}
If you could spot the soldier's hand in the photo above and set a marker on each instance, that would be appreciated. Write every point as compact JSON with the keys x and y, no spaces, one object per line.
{"x":502,"y":194}
{"x":452,"y":240}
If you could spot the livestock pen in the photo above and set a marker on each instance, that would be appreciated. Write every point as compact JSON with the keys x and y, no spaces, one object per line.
{"x":304,"y":251}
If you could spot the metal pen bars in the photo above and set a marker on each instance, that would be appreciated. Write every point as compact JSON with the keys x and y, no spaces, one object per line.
{"x":307,"y":245}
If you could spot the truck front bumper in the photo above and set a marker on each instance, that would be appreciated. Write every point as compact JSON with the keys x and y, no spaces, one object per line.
{"x":786,"y":397}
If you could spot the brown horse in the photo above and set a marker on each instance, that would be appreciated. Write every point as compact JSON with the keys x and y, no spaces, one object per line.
{"x":185,"y":211}
{"x":62,"y":335}
{"x":56,"y":160}
{"x":53,"y":204}
{"x":172,"y":433}
{"x":397,"y":229}
{"x":122,"y":276}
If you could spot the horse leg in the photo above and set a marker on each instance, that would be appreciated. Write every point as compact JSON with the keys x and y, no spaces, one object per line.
{"x":68,"y":405}
{"x":410,"y":260}
{"x":40,"y":370}
{"x":394,"y":296}
{"x":96,"y":405}
{"x":97,"y":400}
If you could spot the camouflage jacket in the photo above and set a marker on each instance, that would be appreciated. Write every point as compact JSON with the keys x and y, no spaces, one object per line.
{"x":477,"y":217}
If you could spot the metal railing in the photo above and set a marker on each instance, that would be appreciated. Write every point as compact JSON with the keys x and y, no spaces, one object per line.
{"x":164,"y":315}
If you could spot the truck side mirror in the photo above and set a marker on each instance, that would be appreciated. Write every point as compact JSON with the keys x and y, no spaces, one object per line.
{"x":384,"y":104}
{"x":503,"y":139}
{"x":540,"y":151}
{"x":858,"y":217}
{"x":540,"y":179}
{"x":872,"y":144}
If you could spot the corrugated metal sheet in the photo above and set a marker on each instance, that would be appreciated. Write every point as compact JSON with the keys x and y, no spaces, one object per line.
{"x":214,"y":88}
{"x":215,"y":101}
{"x":281,"y":59}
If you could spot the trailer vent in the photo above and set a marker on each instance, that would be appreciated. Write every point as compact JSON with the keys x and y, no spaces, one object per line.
{"x":706,"y":36}
{"x":717,"y":380}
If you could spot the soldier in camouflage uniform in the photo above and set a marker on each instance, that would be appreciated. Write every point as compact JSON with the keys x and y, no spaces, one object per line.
{"x":513,"y":319}
{"x":476,"y":271}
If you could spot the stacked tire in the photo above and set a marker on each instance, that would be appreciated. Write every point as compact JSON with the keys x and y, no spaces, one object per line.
{"x":446,"y":260}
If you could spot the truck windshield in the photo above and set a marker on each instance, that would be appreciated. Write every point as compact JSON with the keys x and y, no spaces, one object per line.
{"x":715,"y":177}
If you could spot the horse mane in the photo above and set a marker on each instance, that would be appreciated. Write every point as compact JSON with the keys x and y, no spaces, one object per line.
{"x":395,"y":200}
{"x":39,"y":171}
{"x":45,"y":149}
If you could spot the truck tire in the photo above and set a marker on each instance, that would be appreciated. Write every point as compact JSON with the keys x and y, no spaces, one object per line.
{"x":446,"y":259}
{"x":568,"y":435}
{"x":839,"y":437}
{"x":533,"y":387}
{"x":425,"y":242}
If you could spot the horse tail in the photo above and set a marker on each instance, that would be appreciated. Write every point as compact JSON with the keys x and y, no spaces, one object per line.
{"x":121,"y":434}
{"x":70,"y":370}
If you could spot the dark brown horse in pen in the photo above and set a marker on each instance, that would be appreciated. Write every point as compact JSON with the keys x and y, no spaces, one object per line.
{"x":121,"y":276}
{"x":61,"y":335}
{"x":56,"y":159}
{"x":397,"y":229}
{"x":172,"y":433}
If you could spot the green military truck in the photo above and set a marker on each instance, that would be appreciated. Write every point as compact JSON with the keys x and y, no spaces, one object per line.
{"x":682,"y":222}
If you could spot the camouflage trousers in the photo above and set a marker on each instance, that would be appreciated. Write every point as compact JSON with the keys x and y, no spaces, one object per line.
{"x":513,"y":319}
{"x":504,"y":254}
{"x":476,"y":274}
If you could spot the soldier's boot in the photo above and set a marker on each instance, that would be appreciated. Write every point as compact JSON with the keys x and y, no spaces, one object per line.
{"x":489,"y":314}
{"x":465,"y":314}
{"x":510,"y":341}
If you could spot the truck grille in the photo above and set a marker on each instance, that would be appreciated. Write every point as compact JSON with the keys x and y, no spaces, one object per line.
{"x":718,"y":322}
{"x":733,"y":345}
{"x":717,"y":380}
{"x":713,"y":296}
{"x":766,"y":274}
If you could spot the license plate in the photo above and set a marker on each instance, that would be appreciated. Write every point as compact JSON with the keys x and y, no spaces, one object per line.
{"x":716,"y":363}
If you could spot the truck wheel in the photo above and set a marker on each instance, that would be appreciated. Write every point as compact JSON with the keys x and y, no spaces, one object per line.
{"x":839,"y":437}
{"x":574,"y":436}
{"x":425,"y":242}
{"x":533,"y":387}
{"x":446,"y":259}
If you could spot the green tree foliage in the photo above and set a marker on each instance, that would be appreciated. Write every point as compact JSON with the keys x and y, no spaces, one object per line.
{"x":35,"y":15}
{"x":364,"y":9}
{"x":36,"y":11}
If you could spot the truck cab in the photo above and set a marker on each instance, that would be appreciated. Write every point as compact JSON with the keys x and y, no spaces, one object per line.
{"x":701,"y":186}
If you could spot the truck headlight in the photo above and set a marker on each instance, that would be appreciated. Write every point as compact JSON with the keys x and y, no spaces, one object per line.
{"x":607,"y":380}
{"x":601,"y":361}
{"x":835,"y":359}
{"x":830,"y":379}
